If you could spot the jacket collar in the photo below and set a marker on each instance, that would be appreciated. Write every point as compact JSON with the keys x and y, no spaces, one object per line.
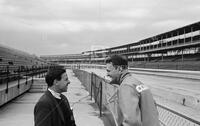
{"x":55,"y":94}
{"x":48,"y":93}
{"x":120,"y":77}
{"x":124,"y":74}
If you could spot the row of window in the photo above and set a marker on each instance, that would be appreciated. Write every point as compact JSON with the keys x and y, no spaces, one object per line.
{"x":169,"y":53}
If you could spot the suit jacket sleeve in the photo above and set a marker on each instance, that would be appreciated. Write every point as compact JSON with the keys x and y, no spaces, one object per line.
{"x":128,"y":103}
{"x":42,"y":114}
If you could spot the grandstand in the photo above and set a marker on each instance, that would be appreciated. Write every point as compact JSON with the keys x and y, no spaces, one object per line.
{"x":14,"y":62}
{"x":177,"y":49}
{"x":15,"y":58}
{"x":67,"y":58}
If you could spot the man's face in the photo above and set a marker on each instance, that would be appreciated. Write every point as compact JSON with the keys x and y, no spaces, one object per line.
{"x":112,"y":72}
{"x":62,"y":85}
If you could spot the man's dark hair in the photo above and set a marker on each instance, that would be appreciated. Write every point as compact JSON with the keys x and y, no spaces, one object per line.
{"x":118,"y":60}
{"x":52,"y":74}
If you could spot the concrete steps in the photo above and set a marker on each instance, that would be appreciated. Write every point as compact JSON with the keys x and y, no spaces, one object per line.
{"x":38,"y":85}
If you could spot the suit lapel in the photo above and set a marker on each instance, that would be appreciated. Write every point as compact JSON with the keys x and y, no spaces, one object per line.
{"x":48,"y":93}
{"x":65,"y":100}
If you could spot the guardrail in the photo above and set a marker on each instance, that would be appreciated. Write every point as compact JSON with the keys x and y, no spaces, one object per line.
{"x":105,"y":96}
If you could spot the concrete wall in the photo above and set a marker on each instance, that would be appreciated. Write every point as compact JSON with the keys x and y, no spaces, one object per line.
{"x":14,"y":91}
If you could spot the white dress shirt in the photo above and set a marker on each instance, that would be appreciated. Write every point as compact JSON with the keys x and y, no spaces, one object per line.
{"x":55,"y":94}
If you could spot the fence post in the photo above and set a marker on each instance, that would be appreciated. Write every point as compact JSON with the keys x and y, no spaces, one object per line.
{"x":39,"y":71}
{"x":95,"y":88}
{"x":91,"y":85}
{"x":7,"y":74}
{"x":26,"y":75}
{"x":101,"y":98}
{"x":32,"y":73}
{"x":18,"y":71}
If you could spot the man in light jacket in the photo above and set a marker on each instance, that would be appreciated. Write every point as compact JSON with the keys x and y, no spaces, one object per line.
{"x":128,"y":109}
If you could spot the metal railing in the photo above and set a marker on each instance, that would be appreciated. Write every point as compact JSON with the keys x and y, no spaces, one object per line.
{"x":21,"y":74}
{"x":93,"y":84}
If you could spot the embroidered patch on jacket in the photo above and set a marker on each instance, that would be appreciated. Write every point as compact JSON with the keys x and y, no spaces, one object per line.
{"x":141,"y":88}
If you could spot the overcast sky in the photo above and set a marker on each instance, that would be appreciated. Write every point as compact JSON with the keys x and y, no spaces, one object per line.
{"x":47,"y":27}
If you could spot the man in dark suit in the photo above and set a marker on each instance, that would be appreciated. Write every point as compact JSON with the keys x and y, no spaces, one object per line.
{"x":53,"y":108}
